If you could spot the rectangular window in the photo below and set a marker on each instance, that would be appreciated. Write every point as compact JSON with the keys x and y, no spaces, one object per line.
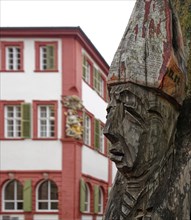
{"x":46,"y":56}
{"x":98,"y":82}
{"x":102,"y":141}
{"x":12,"y":56}
{"x":46,"y":121}
{"x":87,"y":130}
{"x":13,"y":121}
{"x":86,"y":70}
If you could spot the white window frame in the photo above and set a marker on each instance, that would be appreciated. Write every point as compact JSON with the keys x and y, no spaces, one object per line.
{"x":44,"y":59}
{"x":87,"y":129}
{"x":16,"y":120}
{"x":87,"y":199}
{"x":100,"y":201}
{"x":102,"y":141}
{"x":49,"y":201}
{"x":15,"y":201}
{"x":48,"y":119}
{"x":16,"y":61}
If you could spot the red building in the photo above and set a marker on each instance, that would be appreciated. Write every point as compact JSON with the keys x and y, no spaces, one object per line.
{"x":54,"y":163}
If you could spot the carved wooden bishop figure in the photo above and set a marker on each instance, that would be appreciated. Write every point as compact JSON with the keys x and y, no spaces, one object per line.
{"x":146,"y":85}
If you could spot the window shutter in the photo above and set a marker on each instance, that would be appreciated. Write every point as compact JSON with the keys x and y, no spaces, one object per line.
{"x":26,"y":120}
{"x":96,"y":198}
{"x":96,"y":134}
{"x":84,"y":68}
{"x":95,"y":78}
{"x":27,"y":196}
{"x":50,"y":57}
{"x":99,"y":82}
{"x":82,"y":195}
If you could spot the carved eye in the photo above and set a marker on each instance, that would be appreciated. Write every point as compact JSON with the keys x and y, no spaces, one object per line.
{"x":154,"y":112}
{"x":133,"y":113}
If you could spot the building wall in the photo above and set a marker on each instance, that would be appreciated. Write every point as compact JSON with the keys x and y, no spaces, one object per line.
{"x":29,"y":83}
{"x":98,"y":106}
{"x":94,"y":164}
{"x":31,"y":155}
{"x":63,"y":160}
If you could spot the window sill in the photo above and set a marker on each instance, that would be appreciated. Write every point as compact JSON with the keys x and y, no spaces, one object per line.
{"x":46,"y":71}
{"x":12,"y":212}
{"x":12,"y":71}
{"x":91,"y":86}
{"x":92,"y":148}
{"x":44,"y":139}
{"x":46,"y":211}
{"x":12,"y":139}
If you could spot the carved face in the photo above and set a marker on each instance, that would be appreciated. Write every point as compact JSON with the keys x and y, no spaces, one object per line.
{"x":139,"y":126}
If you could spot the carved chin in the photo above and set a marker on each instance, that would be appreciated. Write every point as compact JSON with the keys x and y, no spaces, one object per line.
{"x":124,"y":162}
{"x":121,"y":163}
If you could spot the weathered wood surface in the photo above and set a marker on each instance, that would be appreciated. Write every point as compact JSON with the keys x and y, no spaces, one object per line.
{"x":183,"y":8}
{"x":149,"y":119}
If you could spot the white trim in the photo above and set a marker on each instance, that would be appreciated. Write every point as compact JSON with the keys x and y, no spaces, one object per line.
{"x":102,"y":141}
{"x":15,"y":59}
{"x":100,"y":203}
{"x":88,"y":199}
{"x":49,"y":201}
{"x":15,"y":119}
{"x":87,"y":129}
{"x":44,"y":216}
{"x":15,"y":195}
{"x":47,"y":121}
{"x":20,"y":217}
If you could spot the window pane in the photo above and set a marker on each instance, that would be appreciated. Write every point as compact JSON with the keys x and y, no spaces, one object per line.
{"x":86,"y":194}
{"x":13,"y":58}
{"x":54,"y":205}
{"x":54,"y":191}
{"x":6,"y":217}
{"x":10,"y":49}
{"x":9,"y":206}
{"x":87,"y":130}
{"x":86,"y":207}
{"x":10,"y":111}
{"x":43,"y":191}
{"x":9,"y":191}
{"x":43,"y":205}
{"x":51,"y":111}
{"x":19,"y":205}
{"x":43,"y":112}
{"x":19,"y":191}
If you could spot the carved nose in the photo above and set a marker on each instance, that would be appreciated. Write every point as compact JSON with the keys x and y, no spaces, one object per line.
{"x":111,"y":137}
{"x":109,"y":132}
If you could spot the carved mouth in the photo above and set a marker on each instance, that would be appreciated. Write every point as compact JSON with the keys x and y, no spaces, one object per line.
{"x":116,"y":152}
{"x":116,"y":156}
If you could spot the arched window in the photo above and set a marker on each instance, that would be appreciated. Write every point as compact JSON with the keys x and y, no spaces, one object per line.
{"x":13,"y":195}
{"x":87,"y":198}
{"x":47,"y":196}
{"x":100,"y":201}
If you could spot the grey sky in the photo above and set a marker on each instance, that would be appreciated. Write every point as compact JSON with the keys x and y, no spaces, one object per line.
{"x":104,"y":22}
